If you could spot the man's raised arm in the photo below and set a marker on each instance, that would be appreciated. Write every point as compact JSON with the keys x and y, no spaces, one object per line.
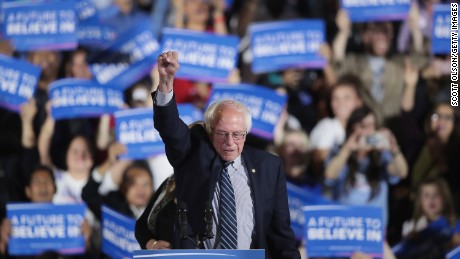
{"x":173,"y":131}
{"x":168,"y":65}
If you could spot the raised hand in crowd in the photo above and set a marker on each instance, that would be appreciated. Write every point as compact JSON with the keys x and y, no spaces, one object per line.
{"x":414,"y":20}
{"x":326,"y":52}
{"x":27,"y":112}
{"x":411,"y":75}
{"x":45,"y":136}
{"x":114,"y":151}
{"x":339,"y":44}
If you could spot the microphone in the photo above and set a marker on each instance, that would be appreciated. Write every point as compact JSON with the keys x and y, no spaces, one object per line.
{"x":208,"y":219}
{"x":182,"y":211}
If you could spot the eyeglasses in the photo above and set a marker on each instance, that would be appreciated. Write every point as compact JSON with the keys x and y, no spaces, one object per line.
{"x":447,"y":117}
{"x":222,"y":135}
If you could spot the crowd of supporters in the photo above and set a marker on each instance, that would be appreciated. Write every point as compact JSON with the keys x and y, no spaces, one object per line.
{"x":373,"y":127}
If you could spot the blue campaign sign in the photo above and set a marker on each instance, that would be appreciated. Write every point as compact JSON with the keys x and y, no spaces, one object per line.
{"x":376,"y":10}
{"x":86,"y":10}
{"x":199,"y":254}
{"x":94,"y":33}
{"x":440,"y":39}
{"x":79,"y":98}
{"x":18,"y":81}
{"x":281,"y":45}
{"x":264,"y":104}
{"x":297,"y":199}
{"x":203,"y":56}
{"x":127,"y":59}
{"x":38,"y":227}
{"x":340,"y":230}
{"x":118,"y":240}
{"x":189,"y":113}
{"x":134,"y":128}
{"x":38,"y":25}
{"x":454,"y":254}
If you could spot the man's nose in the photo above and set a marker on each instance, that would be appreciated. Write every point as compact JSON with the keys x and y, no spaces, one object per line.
{"x":229,"y":140}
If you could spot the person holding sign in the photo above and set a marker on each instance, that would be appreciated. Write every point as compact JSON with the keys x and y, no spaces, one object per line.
{"x":40,"y":188}
{"x":245,"y":188}
{"x":434,"y":228}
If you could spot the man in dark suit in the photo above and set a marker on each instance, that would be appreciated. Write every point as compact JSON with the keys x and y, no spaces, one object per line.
{"x":246,"y":187}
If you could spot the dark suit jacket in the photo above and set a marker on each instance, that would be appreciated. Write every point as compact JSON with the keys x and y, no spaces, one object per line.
{"x":196,"y":168}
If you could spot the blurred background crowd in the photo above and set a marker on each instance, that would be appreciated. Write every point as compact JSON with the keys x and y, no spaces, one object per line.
{"x":374,"y":126}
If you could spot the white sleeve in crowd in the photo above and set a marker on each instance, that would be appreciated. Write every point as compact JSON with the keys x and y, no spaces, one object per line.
{"x":96,"y":175}
{"x":322,"y":136}
{"x":162,"y":99}
{"x":107,"y":184}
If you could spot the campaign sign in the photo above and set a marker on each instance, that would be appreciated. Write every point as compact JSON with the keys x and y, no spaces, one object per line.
{"x":376,"y":10}
{"x":281,"y":45}
{"x":340,"y":230}
{"x":94,"y":33}
{"x":79,"y":98}
{"x":203,"y":56}
{"x":440,"y":39}
{"x":297,"y":199}
{"x":264,"y":104}
{"x":454,"y":254}
{"x":85,"y":10}
{"x":127,"y":59}
{"x":118,"y":240}
{"x":199,"y":254}
{"x":18,"y":81}
{"x":134,"y":128}
{"x":38,"y":227}
{"x":39,"y":25}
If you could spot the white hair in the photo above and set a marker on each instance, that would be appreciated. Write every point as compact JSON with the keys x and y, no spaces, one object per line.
{"x":210,"y":113}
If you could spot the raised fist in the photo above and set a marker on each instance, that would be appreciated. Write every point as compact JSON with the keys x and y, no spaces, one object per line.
{"x":168,"y":64}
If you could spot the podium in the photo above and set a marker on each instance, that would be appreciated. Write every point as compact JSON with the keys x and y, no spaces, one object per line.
{"x":198,"y":253}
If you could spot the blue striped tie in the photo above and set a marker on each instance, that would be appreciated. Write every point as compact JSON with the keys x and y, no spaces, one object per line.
{"x":227,"y":210}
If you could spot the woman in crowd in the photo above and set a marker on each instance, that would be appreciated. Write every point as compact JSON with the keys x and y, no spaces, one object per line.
{"x":434,"y":148}
{"x":155,"y":228}
{"x":79,"y":163}
{"x":359,"y":172}
{"x":347,"y":95}
{"x":131,"y":197}
{"x":293,"y":152}
{"x":433,"y":228}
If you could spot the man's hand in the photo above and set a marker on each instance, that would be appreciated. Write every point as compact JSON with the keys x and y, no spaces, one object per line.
{"x":168,"y":64}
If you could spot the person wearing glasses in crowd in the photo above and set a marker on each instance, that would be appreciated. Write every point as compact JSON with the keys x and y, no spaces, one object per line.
{"x":245,"y":187}
{"x":435,"y":151}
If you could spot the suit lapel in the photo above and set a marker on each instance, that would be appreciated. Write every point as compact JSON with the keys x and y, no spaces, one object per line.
{"x":216,"y":168}
{"x":255,"y":178}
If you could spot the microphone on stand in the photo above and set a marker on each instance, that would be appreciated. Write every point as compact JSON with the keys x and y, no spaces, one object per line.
{"x":208,"y":213}
{"x":182,"y":211}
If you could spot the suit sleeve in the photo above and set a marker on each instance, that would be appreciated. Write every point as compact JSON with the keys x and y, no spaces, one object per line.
{"x":173,"y":131}
{"x":280,"y":236}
